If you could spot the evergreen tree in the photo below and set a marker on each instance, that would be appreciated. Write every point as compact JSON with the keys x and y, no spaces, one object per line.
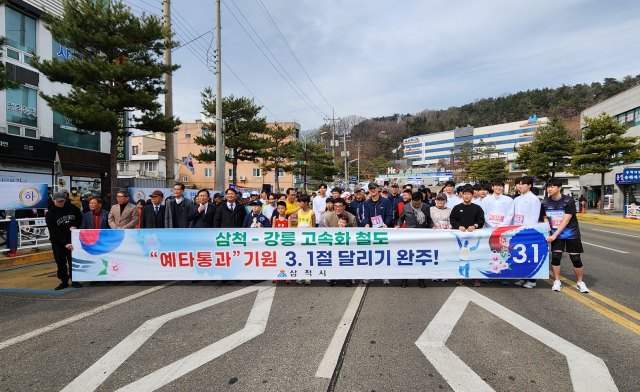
{"x":603,"y":146}
{"x":319,"y":164}
{"x":550,"y":151}
{"x":117,"y":67}
{"x":278,"y":151}
{"x":243,"y":130}
{"x":486,"y":169}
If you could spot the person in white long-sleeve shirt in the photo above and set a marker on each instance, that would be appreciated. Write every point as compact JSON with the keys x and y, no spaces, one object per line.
{"x":498,"y":211}
{"x":452,"y":199}
{"x":526,"y":211}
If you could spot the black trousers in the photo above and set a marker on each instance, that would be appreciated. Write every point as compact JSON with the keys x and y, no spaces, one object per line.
{"x":62,"y":256}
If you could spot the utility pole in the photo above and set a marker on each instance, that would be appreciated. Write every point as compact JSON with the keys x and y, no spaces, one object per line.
{"x":334,"y":143}
{"x":220,"y":152}
{"x":346,"y":160}
{"x":168,"y":102}
{"x":359,"y":145}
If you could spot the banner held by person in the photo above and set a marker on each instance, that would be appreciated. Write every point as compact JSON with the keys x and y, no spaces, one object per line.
{"x":323,"y":253}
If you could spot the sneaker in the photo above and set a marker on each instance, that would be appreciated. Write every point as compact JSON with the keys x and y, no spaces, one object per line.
{"x":385,"y":281}
{"x":333,"y":283}
{"x":62,"y":285}
{"x":307,"y":282}
{"x":476,"y":283}
{"x":77,"y":285}
{"x":529,"y":285}
{"x":445,"y":280}
{"x":275,"y":281}
{"x":348,"y":283}
{"x":504,"y":282}
{"x":365,"y":281}
{"x":353,"y":281}
{"x":486,"y":280}
{"x":557,"y":286}
{"x":459,"y":282}
{"x":521,"y":282}
{"x":299,"y":281}
{"x":582,"y":287}
{"x":287,"y":281}
{"x":434,"y":280}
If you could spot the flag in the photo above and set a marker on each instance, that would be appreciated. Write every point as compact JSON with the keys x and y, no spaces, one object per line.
{"x":188,"y":162}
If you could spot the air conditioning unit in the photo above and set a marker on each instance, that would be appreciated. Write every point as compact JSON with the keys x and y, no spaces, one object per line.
{"x":230,"y":178}
{"x":243,"y":178}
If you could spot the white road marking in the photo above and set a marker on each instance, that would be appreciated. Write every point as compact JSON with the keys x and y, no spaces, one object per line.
{"x":587,"y":372}
{"x":328,"y":364}
{"x":604,"y":247}
{"x":613,"y":232}
{"x":95,"y":375}
{"x":80,"y":316}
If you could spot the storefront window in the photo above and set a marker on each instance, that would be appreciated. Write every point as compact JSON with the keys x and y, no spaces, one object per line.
{"x":67,"y":134}
{"x":20,"y":31}
{"x":637,"y":120}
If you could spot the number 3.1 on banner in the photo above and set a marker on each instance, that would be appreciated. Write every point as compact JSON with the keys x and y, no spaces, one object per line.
{"x":521,"y":253}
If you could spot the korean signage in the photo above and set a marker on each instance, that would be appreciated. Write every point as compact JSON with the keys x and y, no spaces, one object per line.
{"x":14,"y":195}
{"x":628,"y":176}
{"x":324,"y":253}
{"x":67,"y":134}
{"x":22,"y":106}
{"x":122,"y":148}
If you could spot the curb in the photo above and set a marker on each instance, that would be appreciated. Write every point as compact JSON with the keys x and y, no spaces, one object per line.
{"x":26,"y":259}
{"x":609,"y":218}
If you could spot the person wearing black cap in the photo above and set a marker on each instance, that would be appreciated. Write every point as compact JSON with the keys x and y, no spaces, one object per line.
{"x":60,"y":218}
{"x":378,"y":212}
{"x":152,"y":216}
{"x":217,"y":199}
{"x":256,"y":219}
{"x":395,"y":195}
{"x":355,"y":207}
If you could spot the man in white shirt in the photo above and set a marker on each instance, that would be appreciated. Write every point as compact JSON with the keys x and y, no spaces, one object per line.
{"x":452,"y":199}
{"x":498,"y":211}
{"x":319,"y":205}
{"x":476,"y":199}
{"x":526,"y":211}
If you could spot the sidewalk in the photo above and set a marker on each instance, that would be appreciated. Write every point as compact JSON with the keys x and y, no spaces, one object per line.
{"x":26,"y":256}
{"x":611,"y":219}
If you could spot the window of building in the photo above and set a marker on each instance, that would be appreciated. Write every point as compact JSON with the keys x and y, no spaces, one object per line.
{"x":20,"y":32}
{"x":22,"y":112}
{"x":208,"y":173}
{"x":257,"y":172}
{"x":65,"y":133}
{"x":135,"y":150}
{"x":185,"y":179}
{"x":230,"y":153}
{"x":150,"y":166}
{"x":205,"y":132}
{"x":207,"y":151}
{"x":230,"y":172}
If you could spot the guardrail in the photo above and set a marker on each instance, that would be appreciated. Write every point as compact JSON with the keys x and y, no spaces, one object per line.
{"x":32,"y":232}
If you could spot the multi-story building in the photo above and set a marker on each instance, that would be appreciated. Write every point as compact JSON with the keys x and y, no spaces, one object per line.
{"x":250,"y":174}
{"x":31,"y":133}
{"x":622,"y":185}
{"x":147,"y":159}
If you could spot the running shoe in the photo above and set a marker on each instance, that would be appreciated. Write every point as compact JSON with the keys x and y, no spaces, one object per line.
{"x":445,"y":280}
{"x":62,"y":286}
{"x":521,"y":282}
{"x":332,"y":283}
{"x":385,"y":281}
{"x":365,"y":281}
{"x":582,"y":287}
{"x":77,"y":285}
{"x":557,"y":286}
{"x":275,"y":281}
{"x":476,"y":283}
{"x":434,"y":280}
{"x":459,"y":282}
{"x":299,"y":281}
{"x":504,"y":281}
{"x":348,"y":283}
{"x":307,"y":282}
{"x":287,"y":281}
{"x":486,"y":280}
{"x":529,"y":285}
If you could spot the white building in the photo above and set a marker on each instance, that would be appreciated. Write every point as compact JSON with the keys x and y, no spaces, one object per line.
{"x":31,"y":133}
{"x":620,"y":189}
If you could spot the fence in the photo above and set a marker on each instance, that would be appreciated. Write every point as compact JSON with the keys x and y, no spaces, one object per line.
{"x":32,"y":232}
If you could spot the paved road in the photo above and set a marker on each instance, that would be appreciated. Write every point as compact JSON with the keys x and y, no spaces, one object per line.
{"x":240,"y":336}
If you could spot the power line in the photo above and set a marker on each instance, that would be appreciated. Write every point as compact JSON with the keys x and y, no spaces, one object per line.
{"x":291,"y":50}
{"x":318,"y":112}
{"x":198,"y":37}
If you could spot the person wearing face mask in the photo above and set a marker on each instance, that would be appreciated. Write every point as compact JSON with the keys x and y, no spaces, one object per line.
{"x":75,"y":198}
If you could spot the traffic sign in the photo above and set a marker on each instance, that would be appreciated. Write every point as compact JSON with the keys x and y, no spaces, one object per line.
{"x":353,"y":179}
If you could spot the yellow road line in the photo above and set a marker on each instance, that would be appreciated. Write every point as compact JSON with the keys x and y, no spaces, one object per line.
{"x":601,"y":309}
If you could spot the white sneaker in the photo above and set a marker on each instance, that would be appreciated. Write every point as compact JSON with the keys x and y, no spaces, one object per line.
{"x":521,"y":282}
{"x":445,"y":280}
{"x":353,"y":281}
{"x":434,"y":280}
{"x":529,"y":285}
{"x":365,"y":281}
{"x":582,"y":287}
{"x":557,"y":286}
{"x":386,"y":281}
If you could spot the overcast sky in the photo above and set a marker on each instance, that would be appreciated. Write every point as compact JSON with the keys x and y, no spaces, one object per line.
{"x":434,"y":54}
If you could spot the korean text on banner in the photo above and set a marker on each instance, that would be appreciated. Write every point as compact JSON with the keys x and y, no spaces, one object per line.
{"x":322,"y":253}
{"x":19,"y":195}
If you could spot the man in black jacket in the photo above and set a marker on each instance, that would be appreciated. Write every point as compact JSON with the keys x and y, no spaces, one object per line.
{"x":415,"y":215}
{"x":202,"y":213}
{"x":60,"y":218}
{"x":152,"y":215}
{"x":96,"y":218}
{"x":177,"y":211}
{"x":466,"y":217}
{"x":229,"y":214}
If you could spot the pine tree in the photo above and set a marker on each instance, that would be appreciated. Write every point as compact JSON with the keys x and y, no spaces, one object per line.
{"x":319,"y":164}
{"x":603,"y":146}
{"x":278,"y":152}
{"x":117,"y":67}
{"x":243,"y":130}
{"x":550,"y":151}
{"x":486,"y":169}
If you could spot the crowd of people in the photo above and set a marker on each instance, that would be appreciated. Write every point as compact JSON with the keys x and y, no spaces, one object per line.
{"x":465,"y":209}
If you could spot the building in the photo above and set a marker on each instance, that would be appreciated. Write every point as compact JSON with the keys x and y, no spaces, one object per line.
{"x":147,"y":159}
{"x":429,"y":154}
{"x":31,"y":133}
{"x":620,"y":186}
{"x":250,"y":175}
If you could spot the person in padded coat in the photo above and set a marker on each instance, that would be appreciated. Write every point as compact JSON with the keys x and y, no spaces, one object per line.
{"x":415,"y":215}
{"x":231,"y":213}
